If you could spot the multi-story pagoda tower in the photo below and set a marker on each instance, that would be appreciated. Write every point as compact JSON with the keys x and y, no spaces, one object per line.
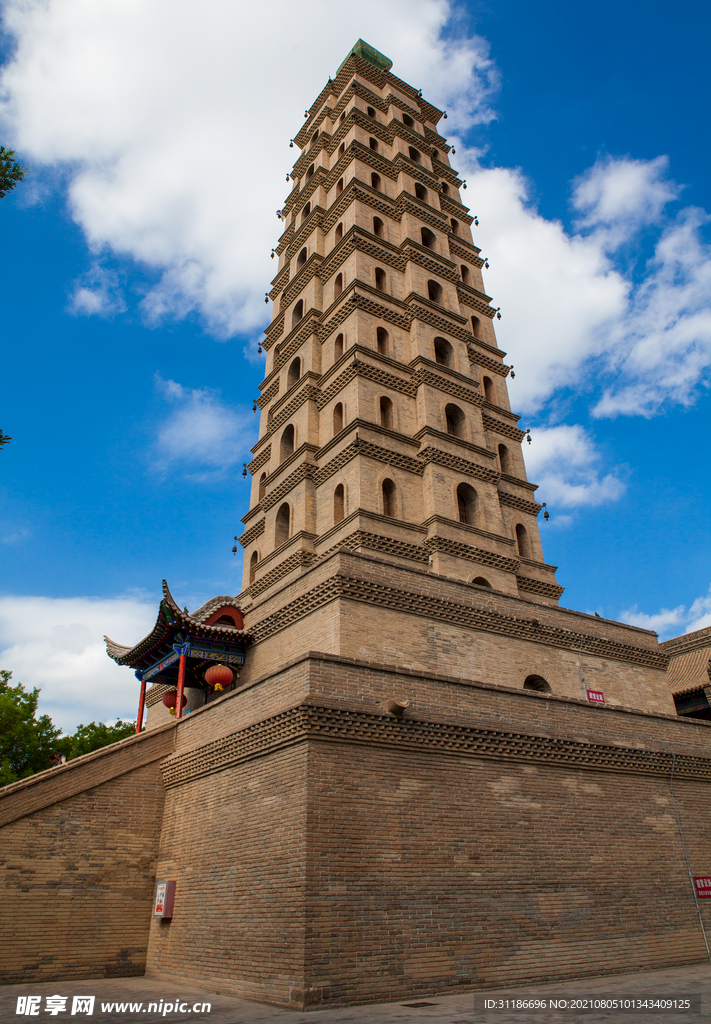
{"x":385,"y":418}
{"x":426,"y":777}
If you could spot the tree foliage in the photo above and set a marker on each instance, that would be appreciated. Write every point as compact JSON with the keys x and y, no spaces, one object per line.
{"x":26,"y":742}
{"x":29,"y":744}
{"x":11,"y":172}
{"x":4,"y":439}
{"x":94,"y":736}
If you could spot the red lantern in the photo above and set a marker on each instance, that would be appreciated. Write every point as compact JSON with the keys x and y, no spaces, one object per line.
{"x":170,"y":699}
{"x":219,"y":676}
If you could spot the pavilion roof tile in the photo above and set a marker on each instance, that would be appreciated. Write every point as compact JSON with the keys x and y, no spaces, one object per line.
{"x":172,"y":621}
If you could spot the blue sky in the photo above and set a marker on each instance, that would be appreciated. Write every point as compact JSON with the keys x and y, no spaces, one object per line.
{"x":135,"y":260}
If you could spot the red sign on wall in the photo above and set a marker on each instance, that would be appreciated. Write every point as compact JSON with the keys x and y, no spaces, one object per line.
{"x":596,"y":696}
{"x":165,"y":895}
{"x":703,"y":887}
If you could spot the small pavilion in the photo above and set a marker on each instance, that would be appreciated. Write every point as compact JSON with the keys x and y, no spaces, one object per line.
{"x":180,"y":649}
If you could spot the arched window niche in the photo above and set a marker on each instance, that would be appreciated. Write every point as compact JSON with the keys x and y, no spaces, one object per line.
{"x":385,"y":406}
{"x":262,"y":486}
{"x":253,"y":562}
{"x":378,"y":227}
{"x":282,"y":525}
{"x":380,"y":279}
{"x":382,"y":341}
{"x":429,"y":239}
{"x":421,"y":192}
{"x":479,"y":581}
{"x":338,"y":285}
{"x":301,"y":258}
{"x":455,"y":421}
{"x":505,"y":461}
{"x":339,"y":504}
{"x":376,"y":182}
{"x":389,"y":493}
{"x":294,"y":373}
{"x":444,"y":353}
{"x":523,"y":543}
{"x":489,"y":392}
{"x":414,"y":154}
{"x":538,"y":683}
{"x":466,"y":504}
{"x":435,"y":292}
{"x":338,"y":347}
{"x":286,"y":446}
{"x":337,"y":418}
{"x":297,"y":313}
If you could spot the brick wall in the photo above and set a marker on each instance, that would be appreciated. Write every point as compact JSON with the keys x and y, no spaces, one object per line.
{"x":78,"y":848}
{"x":366,"y":607}
{"x":428,"y":873}
{"x":235,"y":842}
{"x":327,"y":852}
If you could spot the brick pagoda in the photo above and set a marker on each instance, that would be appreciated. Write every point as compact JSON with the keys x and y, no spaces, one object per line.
{"x":429,"y":777}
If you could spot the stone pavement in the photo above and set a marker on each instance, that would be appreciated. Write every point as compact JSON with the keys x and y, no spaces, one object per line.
{"x":485,"y":1007}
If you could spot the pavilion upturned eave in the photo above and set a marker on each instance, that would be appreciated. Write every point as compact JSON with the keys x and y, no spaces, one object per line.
{"x":172,"y":626}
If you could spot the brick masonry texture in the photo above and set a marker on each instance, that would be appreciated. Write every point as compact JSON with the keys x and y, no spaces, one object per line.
{"x":78,"y":850}
{"x":449,"y":849}
{"x":326,"y":852}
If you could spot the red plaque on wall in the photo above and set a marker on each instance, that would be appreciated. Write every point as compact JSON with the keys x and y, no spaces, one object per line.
{"x":596,"y":696}
{"x":703,"y":887}
{"x":165,"y":895}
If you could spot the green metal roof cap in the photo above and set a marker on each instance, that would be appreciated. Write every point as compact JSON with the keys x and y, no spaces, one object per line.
{"x":369,"y":53}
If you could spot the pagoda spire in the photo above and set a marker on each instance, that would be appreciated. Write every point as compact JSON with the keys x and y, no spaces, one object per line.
{"x":385,"y":417}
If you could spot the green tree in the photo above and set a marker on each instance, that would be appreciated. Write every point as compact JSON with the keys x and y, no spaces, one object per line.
{"x":11,"y":172}
{"x":29,"y":744}
{"x":4,"y":439}
{"x":94,"y":736}
{"x":26,"y":742}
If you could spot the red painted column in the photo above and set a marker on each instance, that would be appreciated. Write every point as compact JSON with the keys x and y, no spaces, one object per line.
{"x":181,"y":686}
{"x":141,"y":706}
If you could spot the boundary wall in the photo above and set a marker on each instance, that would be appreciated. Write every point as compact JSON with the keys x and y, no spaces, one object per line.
{"x":327,"y":852}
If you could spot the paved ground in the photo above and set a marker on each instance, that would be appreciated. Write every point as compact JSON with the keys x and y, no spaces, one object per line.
{"x":490,"y":1007}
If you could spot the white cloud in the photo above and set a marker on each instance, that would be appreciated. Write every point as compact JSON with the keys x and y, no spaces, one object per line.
{"x":699,"y":613}
{"x":665,"y":621}
{"x":56,"y":644}
{"x":172,"y":120}
{"x":10,"y":536}
{"x":97,"y":293}
{"x":660,"y":350}
{"x":556,"y":291}
{"x":616,"y":198}
{"x":202,"y":435}
{"x":565,"y":464}
{"x":574,"y":315}
{"x":670,"y":622}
